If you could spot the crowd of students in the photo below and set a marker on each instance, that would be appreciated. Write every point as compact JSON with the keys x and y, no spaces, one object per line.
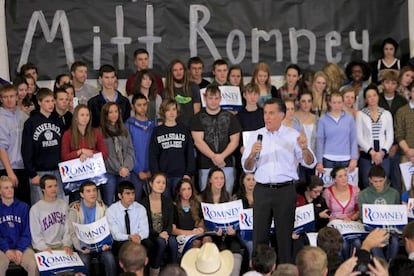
{"x":157,"y":140}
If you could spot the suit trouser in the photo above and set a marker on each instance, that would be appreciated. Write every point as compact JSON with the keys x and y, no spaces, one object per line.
{"x":278,"y":204}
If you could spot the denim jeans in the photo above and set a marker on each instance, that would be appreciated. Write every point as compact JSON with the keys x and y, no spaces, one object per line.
{"x":365,"y":166}
{"x":105,"y":257}
{"x":171,"y":184}
{"x":332,"y":164}
{"x":161,"y":246}
{"x":348,"y":247}
{"x":139,"y":186}
{"x":108,"y":190}
{"x":389,"y":251}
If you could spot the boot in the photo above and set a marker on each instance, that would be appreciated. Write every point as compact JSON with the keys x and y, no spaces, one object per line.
{"x":237,"y":264}
{"x":154,"y":271}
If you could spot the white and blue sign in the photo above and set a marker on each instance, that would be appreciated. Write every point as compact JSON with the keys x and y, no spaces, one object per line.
{"x":231,"y":97}
{"x":328,"y":181}
{"x":58,"y":262}
{"x":222,"y":215}
{"x":94,"y":235}
{"x":392,"y":217}
{"x":348,"y":229}
{"x":304,"y":219}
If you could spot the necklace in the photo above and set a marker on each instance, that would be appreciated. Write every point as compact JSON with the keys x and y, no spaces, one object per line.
{"x":144,"y":125}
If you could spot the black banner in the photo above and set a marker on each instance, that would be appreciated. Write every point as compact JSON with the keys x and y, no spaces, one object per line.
{"x":53,"y":34}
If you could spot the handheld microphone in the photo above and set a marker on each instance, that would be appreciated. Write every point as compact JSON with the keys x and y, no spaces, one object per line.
{"x":259,"y":139}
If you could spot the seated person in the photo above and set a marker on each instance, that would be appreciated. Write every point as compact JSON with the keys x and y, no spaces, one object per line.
{"x":15,"y":236}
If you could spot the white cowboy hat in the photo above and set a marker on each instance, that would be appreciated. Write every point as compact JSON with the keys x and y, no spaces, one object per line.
{"x":207,"y":260}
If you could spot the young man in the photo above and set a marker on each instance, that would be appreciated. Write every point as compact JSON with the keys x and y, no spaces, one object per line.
{"x":195,"y":67}
{"x":48,"y":219}
{"x":391,"y":100}
{"x":140,"y":129}
{"x":83,"y":91}
{"x":107,"y":77}
{"x":15,"y":236}
{"x":11,"y":161}
{"x":42,"y":135}
{"x":263,"y":261}
{"x":62,"y":108}
{"x":251,"y":116}
{"x":29,"y":69}
{"x":216,"y":135}
{"x":220,"y":72}
{"x":186,"y":93}
{"x":88,"y":210}
{"x":127,"y":218}
{"x":133,"y":258}
{"x":141,"y":61}
{"x":404,"y":128}
{"x":312,"y":260}
{"x":380,"y":192}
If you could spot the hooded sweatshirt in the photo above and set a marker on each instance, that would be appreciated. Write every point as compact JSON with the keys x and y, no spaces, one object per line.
{"x":41,"y":142}
{"x":369,"y":195}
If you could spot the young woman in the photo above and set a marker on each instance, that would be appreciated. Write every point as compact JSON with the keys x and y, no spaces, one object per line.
{"x":215,"y":193}
{"x":81,"y":140}
{"x":160,"y":221}
{"x":337,"y":143}
{"x":290,"y":119}
{"x":336,"y":76}
{"x":375,"y":135}
{"x":261,"y":77}
{"x":121,"y":158}
{"x":291,"y":89}
{"x":61,"y":80}
{"x":172,"y":148}
{"x":21,"y":84}
{"x":405,"y":80}
{"x":146,"y":85}
{"x":309,"y":121}
{"x":235,"y":77}
{"x":388,"y":61}
{"x":342,"y":200}
{"x":320,"y":93}
{"x":187,"y":212}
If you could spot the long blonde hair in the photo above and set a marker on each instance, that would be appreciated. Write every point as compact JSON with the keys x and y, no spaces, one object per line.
{"x":262,"y":66}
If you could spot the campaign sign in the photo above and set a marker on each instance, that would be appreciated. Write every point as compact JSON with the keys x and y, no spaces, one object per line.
{"x":185,"y":242}
{"x":328,"y":181}
{"x":393,"y":217}
{"x":304,"y":219}
{"x":407,"y":171}
{"x":410,"y":209}
{"x":348,"y":229}
{"x":246,"y":136}
{"x":231,"y":97}
{"x":58,"y":262}
{"x":246,"y":224}
{"x":222,"y":215}
{"x":74,"y":172}
{"x":94,"y":235}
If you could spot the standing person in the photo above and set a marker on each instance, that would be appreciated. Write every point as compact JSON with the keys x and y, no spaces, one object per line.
{"x":261,"y":77}
{"x":42,"y":134}
{"x":389,"y":48}
{"x":145,"y":84}
{"x":336,"y":76}
{"x":216,"y":135}
{"x":337,"y":143}
{"x":107,"y":76}
{"x":290,"y":119}
{"x":81,"y":140}
{"x":358,"y":74}
{"x":309,"y":122}
{"x":160,"y":212}
{"x":220,"y":72}
{"x":251,"y":115}
{"x":405,"y":79}
{"x":61,"y":79}
{"x":62,"y":108}
{"x":375,"y":135}
{"x":85,"y":211}
{"x":172,"y":148}
{"x":21,"y":85}
{"x":79,"y":73}
{"x":140,"y":129}
{"x":320,"y":94}
{"x":349,"y":96}
{"x":141,"y":62}
{"x":121,"y":157}
{"x":179,"y":87}
{"x":235,"y":77}
{"x":14,"y":231}
{"x":195,"y":67}
{"x":291,"y":88}
{"x":274,"y":162}
{"x":48,"y":219}
{"x":11,"y":129}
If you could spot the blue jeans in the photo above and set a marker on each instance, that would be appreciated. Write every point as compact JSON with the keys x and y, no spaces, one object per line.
{"x":108,"y":190}
{"x":36,"y":193}
{"x":229,"y":173}
{"x":161,"y":246}
{"x":365,"y":166}
{"x":139,"y":186}
{"x":332,"y":164}
{"x":171,"y":185}
{"x":395,"y":172}
{"x":389,"y":251}
{"x":105,"y":257}
{"x":348,"y":247}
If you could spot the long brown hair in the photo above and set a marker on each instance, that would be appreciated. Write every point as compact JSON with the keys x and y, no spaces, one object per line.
{"x":76,"y":136}
{"x":169,"y":82}
{"x":136,"y":86}
{"x":194,"y":202}
{"x":119,"y":124}
{"x":207,"y":195}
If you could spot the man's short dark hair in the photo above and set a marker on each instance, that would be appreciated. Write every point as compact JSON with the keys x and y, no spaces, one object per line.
{"x":194,"y":60}
{"x":138,"y":96}
{"x":263,"y":258}
{"x":43,"y":93}
{"x":7,"y":87}
{"x":140,"y":51}
{"x":45,"y":178}
{"x":132,"y":256}
{"x":86,"y":184}
{"x":218,"y":62}
{"x":106,"y":68}
{"x":377,"y":171}
{"x":281,"y":107}
{"x":408,"y":231}
{"x":125,"y":185}
{"x":77,"y":64}
{"x":26,"y":67}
